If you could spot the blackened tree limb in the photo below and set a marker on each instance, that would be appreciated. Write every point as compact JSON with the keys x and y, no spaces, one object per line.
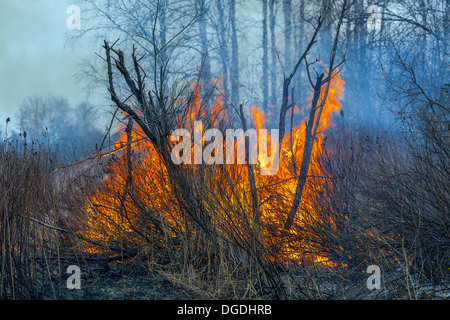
{"x":306,"y":157}
{"x":287,"y":81}
{"x":122,"y":105}
{"x":314,"y":121}
{"x":251,"y":175}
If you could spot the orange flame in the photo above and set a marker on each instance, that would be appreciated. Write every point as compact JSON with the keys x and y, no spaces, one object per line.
{"x":151,"y":184}
{"x":290,"y":162}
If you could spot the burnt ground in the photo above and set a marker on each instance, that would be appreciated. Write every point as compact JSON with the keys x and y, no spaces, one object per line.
{"x":107,"y":282}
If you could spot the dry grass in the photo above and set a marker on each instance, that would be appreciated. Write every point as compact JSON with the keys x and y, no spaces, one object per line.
{"x":39,"y":215}
{"x":385,"y":202}
{"x":395,"y":204}
{"x":389,"y":208}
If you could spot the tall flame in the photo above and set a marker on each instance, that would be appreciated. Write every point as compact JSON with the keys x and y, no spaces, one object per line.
{"x":285,"y":180}
{"x":152,"y":186}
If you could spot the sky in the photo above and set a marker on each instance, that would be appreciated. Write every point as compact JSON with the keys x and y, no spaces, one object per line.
{"x":35,"y":58}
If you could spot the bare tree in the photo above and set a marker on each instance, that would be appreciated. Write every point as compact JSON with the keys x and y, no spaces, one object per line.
{"x":273,"y":52}
{"x":287,"y":81}
{"x":234,"y":70}
{"x":265,"y":58}
{"x":314,"y":116}
{"x":206,"y":65}
{"x":287,"y":12}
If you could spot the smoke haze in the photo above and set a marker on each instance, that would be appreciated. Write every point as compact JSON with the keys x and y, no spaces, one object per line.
{"x":34,"y":60}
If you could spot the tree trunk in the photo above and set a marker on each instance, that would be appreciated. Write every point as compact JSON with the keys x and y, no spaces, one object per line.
{"x":273,"y":53}
{"x":251,"y":175}
{"x":313,"y":122}
{"x":223,"y":47}
{"x":206,"y":65}
{"x":265,"y":59}
{"x":287,"y":12}
{"x":307,"y":151}
{"x":325,"y":36}
{"x":446,"y":19}
{"x":234,"y":56}
{"x":163,"y":26}
{"x":287,"y":80}
{"x":298,"y":44}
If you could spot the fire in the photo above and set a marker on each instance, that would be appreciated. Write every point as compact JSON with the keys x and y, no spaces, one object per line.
{"x":148,"y":210}
{"x":284,"y":182}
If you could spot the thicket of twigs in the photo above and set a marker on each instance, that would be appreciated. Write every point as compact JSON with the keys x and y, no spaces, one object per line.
{"x":388,"y":199}
{"x":396,"y":200}
{"x":207,"y":229}
{"x":40,"y":211}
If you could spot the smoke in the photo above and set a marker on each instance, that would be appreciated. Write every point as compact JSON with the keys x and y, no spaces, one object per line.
{"x":33,"y":59}
{"x":71,"y":131}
